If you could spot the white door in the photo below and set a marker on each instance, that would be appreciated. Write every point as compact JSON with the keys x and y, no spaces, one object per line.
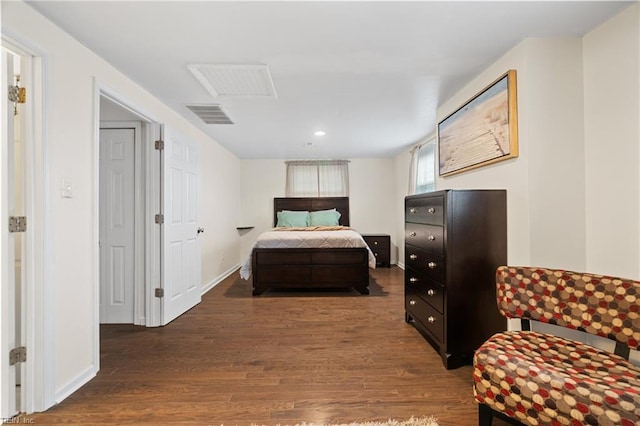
{"x":179,"y":232}
{"x":117,"y":225}
{"x":8,"y":407}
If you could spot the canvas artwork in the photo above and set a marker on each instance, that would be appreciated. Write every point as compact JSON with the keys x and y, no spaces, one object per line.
{"x":482,"y":131}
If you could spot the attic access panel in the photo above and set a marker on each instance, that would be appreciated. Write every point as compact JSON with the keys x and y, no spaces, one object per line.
{"x":252,"y":81}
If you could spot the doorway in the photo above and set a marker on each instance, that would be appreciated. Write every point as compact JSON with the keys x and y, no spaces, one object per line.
{"x":26,"y":376}
{"x":12,"y":243}
{"x":121,"y":190}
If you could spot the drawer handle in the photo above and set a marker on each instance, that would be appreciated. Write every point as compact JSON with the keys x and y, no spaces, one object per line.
{"x":431,"y":238}
{"x":413,"y":280}
{"x":430,"y":292}
{"x":413,"y":210}
{"x":431,"y":210}
{"x":375,"y":243}
{"x":413,"y":257}
{"x":412,"y":302}
{"x":431,"y":320}
{"x":432,"y":265}
{"x":413,"y":234}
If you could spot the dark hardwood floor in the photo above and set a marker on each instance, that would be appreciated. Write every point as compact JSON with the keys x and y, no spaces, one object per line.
{"x":280,"y":358}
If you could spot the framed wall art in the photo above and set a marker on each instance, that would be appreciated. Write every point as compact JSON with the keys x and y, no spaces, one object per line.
{"x":482,"y":131}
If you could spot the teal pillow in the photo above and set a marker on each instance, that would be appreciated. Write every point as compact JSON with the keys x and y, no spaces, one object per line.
{"x":324,"y":218}
{"x":292,"y":219}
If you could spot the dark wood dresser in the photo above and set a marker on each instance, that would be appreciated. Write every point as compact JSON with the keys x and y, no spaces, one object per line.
{"x":454,"y":241}
{"x":380,"y":245}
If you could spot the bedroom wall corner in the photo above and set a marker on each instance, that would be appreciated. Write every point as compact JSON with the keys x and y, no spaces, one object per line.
{"x":402,"y":164}
{"x":262,"y":180}
{"x":612,"y":140}
{"x":220,"y":204}
{"x":371,"y":193}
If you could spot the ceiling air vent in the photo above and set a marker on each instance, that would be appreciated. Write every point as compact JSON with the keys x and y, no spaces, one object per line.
{"x":249,"y":81}
{"x":210,"y":114}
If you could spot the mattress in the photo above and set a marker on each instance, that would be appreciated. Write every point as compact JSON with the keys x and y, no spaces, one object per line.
{"x":312,"y":237}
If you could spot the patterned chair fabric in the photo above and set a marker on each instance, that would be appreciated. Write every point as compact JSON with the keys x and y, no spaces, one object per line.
{"x":541,"y":379}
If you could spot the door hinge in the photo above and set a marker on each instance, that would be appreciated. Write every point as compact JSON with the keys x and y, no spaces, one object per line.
{"x":17,"y":224}
{"x":18,"y":355}
{"x":159,"y":292}
{"x":159,"y":145}
{"x":17,"y":95}
{"x":159,"y":219}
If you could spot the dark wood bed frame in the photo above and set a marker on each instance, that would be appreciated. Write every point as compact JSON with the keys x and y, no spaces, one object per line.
{"x":296,"y":268}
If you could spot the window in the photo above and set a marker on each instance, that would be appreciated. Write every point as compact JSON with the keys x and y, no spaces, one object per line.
{"x":422,"y":172}
{"x":425,"y":170}
{"x":317,"y":178}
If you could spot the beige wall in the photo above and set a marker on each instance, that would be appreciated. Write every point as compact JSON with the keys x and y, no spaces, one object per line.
{"x":372,"y":197}
{"x":574,"y":190}
{"x":573,"y":193}
{"x":71,"y":74}
{"x":220,"y":200}
{"x":548,"y":173}
{"x":402,"y":166}
{"x":612,"y":145}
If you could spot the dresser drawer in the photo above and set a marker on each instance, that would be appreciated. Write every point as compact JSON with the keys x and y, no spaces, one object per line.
{"x":374,"y":241}
{"x":428,"y":210}
{"x":380,"y":245}
{"x":429,"y":290}
{"x":428,"y":237}
{"x":429,"y":264}
{"x":424,"y":313}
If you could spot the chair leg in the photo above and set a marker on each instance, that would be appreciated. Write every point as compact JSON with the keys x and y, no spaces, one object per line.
{"x":485,"y":415}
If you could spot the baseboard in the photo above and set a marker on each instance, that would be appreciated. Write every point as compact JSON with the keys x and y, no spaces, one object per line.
{"x":219,"y":279}
{"x":75,"y":384}
{"x":400,"y":265}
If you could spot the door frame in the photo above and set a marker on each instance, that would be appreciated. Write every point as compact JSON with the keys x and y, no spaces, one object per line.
{"x":38,"y":373}
{"x":150,"y":197}
{"x":138,"y":203}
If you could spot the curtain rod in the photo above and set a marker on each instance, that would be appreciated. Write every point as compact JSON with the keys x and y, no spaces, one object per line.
{"x":316,"y":161}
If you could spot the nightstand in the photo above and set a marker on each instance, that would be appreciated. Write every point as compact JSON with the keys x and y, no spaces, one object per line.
{"x":380,"y":245}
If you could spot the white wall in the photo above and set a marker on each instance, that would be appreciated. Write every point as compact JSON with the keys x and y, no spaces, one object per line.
{"x":70,"y":76}
{"x":612,"y":141}
{"x":371,"y":188}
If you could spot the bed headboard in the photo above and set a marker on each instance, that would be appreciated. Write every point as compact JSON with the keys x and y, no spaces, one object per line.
{"x":311,"y":204}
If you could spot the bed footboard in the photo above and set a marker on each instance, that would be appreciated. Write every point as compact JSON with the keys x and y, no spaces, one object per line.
{"x":283,"y":268}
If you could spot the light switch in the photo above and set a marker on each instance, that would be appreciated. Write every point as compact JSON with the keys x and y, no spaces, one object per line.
{"x":66,"y":189}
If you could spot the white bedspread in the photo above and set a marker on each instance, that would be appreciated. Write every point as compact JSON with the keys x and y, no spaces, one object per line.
{"x":346,"y":238}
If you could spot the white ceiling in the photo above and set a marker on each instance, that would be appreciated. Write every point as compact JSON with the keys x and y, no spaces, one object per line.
{"x":369,"y":73}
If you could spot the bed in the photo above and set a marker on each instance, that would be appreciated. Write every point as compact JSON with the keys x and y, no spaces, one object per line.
{"x":325,"y":266}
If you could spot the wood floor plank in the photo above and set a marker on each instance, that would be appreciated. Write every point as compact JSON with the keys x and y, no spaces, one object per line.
{"x":279,"y":359}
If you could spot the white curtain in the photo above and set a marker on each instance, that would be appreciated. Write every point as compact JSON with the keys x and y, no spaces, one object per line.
{"x":317,"y":178}
{"x":426,"y":170}
{"x":413,"y":169}
{"x":302,"y":179}
{"x":422,"y":170}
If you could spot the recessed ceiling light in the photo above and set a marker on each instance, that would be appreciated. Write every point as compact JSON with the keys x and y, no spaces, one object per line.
{"x":319,"y":133}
